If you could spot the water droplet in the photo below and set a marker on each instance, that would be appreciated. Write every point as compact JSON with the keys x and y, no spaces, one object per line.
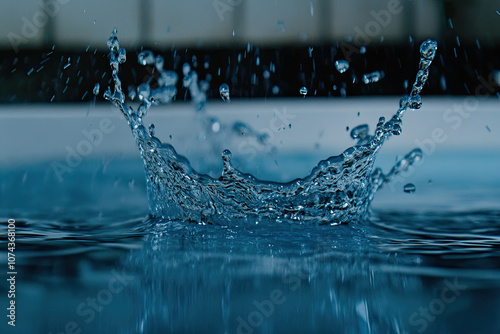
{"x":312,"y":8}
{"x":362,"y":50}
{"x":409,"y":188}
{"x":428,"y":49}
{"x":96,"y":89}
{"x":226,"y":155}
{"x":372,"y":77}
{"x":224,"y":92}
{"x":145,"y":57}
{"x":276,"y":90}
{"x":143,"y":91}
{"x":488,"y":128}
{"x":303,"y":91}
{"x":94,"y":21}
{"x":360,"y":132}
{"x":342,"y":65}
{"x":151,"y":129}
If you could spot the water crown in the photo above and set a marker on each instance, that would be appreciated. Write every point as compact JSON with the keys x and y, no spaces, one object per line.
{"x":338,"y":190}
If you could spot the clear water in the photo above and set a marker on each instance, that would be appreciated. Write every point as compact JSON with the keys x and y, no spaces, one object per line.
{"x":338,"y":190}
{"x":92,"y":260}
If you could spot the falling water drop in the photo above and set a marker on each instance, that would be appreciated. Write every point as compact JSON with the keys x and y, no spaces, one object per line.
{"x":342,"y":65}
{"x":303,"y":91}
{"x":372,"y":77}
{"x":96,"y":89}
{"x":409,"y":188}
{"x":224,"y":92}
{"x":145,"y":57}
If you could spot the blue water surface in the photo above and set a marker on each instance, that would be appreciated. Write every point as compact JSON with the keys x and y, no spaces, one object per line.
{"x":89,"y":258}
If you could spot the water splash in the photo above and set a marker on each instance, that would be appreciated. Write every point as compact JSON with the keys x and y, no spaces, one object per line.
{"x":338,"y":190}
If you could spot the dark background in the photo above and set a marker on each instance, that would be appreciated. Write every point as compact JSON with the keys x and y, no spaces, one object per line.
{"x":468,"y":35}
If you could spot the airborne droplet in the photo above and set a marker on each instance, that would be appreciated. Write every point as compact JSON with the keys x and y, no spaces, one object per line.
{"x":303,"y":91}
{"x":145,"y":57}
{"x":342,"y":65}
{"x":372,"y":77}
{"x":409,"y":188}
{"x":224,"y":92}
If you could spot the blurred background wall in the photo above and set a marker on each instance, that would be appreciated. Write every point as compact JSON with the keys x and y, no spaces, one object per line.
{"x":74,"y":24}
{"x":32,"y":31}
